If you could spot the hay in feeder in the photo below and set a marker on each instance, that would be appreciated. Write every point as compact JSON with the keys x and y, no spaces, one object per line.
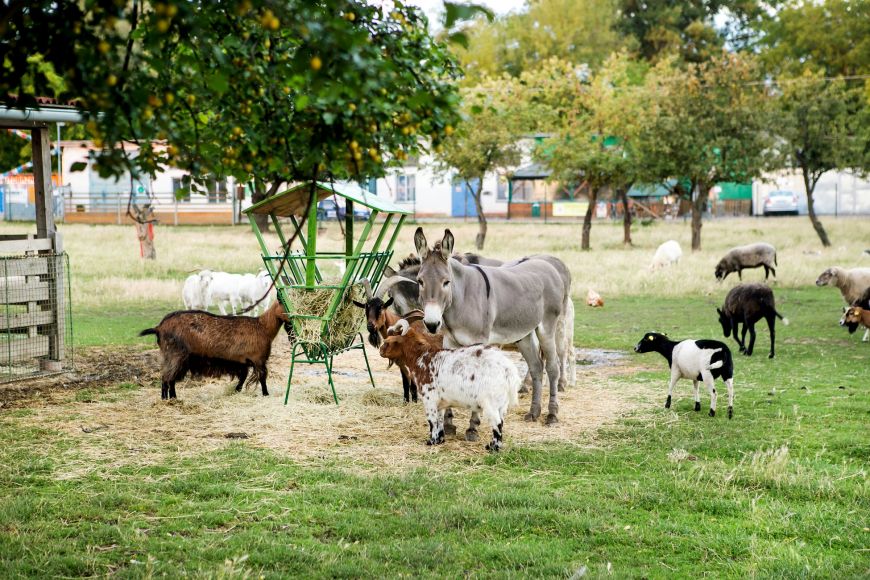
{"x":345,"y":324}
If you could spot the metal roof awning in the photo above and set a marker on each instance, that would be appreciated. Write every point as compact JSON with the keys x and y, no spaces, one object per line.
{"x":294,"y":201}
{"x":652,"y":189}
{"x":529,"y":172}
{"x":46,"y":114}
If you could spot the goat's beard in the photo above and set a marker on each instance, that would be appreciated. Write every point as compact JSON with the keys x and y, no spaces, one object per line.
{"x":852,"y":326}
{"x":375,"y":339}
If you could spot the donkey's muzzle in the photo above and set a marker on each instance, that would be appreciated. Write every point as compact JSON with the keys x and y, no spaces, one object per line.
{"x":433,"y":326}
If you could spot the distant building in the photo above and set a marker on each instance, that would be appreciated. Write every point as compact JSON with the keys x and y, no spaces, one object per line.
{"x":837,"y":192}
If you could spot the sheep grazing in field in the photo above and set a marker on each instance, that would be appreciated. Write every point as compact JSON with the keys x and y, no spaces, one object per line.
{"x":668,"y":253}
{"x":478,"y":377}
{"x":195,"y":291}
{"x":855,"y":316}
{"x":852,"y":283}
{"x":698,"y":360}
{"x":379,"y":318}
{"x":208,"y":345}
{"x":747,"y":304}
{"x":744,"y":257}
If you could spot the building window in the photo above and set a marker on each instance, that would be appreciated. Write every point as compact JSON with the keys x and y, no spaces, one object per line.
{"x":177,"y":184}
{"x":522,"y":190}
{"x":501,"y":192}
{"x":406,"y":188}
{"x":217,"y":191}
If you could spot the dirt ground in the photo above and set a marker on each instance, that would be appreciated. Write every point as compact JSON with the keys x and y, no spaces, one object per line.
{"x":371,"y":429}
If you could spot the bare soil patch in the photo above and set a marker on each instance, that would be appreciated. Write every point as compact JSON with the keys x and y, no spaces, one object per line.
{"x":372,"y":429}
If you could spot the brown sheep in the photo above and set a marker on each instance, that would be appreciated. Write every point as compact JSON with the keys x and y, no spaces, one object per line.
{"x":854,"y":316}
{"x":210,"y":345}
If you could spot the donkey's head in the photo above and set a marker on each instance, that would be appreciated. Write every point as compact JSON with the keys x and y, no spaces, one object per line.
{"x":434,"y":278}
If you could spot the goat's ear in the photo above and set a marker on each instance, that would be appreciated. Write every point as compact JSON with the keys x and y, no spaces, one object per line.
{"x":414,"y":316}
{"x":447,"y":245}
{"x":388,"y":303}
{"x":360,"y":304}
{"x":420,"y":244}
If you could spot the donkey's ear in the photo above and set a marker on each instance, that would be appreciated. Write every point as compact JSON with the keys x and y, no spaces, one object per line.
{"x":447,"y":245}
{"x":420,"y":244}
{"x":389,"y":272}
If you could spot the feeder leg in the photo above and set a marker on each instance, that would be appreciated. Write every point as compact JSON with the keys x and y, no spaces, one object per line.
{"x":290,"y":378}
{"x":366,"y":357}
{"x":327,"y":360}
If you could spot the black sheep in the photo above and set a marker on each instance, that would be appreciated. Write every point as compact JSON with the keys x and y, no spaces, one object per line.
{"x":747,"y":304}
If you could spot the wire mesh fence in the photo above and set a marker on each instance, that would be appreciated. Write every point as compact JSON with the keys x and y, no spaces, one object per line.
{"x":36,"y":331}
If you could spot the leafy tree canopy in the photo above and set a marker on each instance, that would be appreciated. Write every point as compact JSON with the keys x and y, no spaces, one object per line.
{"x":832,"y":37}
{"x":280,"y":91}
{"x":578,"y":32}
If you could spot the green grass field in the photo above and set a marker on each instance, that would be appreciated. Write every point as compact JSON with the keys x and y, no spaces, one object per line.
{"x":780,"y":491}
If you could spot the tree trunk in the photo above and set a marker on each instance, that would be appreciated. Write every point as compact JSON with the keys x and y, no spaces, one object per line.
{"x":146,"y":240}
{"x":481,"y":219}
{"x":626,"y":215}
{"x":698,"y":206}
{"x":587,"y":219}
{"x":811,"y":209}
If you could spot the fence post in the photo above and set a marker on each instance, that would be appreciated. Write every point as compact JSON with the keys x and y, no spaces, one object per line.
{"x":175,"y":209}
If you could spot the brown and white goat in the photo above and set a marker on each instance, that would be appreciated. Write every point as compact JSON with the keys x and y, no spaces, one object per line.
{"x":854,"y":316}
{"x":478,"y":377}
{"x":379,"y":317}
{"x":210,"y":345}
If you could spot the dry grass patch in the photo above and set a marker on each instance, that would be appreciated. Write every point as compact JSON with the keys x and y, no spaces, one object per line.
{"x":371,"y":430}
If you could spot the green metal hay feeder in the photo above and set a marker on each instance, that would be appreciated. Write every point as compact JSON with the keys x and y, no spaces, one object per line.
{"x":324,"y":322}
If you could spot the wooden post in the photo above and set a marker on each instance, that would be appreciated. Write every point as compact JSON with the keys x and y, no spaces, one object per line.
{"x":348,"y":231}
{"x":311,"y":247}
{"x":42,"y":182}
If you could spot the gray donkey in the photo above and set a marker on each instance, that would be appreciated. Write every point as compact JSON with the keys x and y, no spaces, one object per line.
{"x":522,"y":303}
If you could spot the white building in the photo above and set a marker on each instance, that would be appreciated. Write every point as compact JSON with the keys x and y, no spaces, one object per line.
{"x":836,"y":193}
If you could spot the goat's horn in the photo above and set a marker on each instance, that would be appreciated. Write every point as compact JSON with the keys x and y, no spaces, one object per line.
{"x":368,"y":288}
{"x":388,"y":283}
{"x":414,"y":316}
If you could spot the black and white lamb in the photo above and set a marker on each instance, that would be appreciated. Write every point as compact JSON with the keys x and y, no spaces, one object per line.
{"x":698,"y":360}
{"x":747,"y":304}
{"x":745,"y":257}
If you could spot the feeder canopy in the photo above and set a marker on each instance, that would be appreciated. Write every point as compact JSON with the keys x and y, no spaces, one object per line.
{"x":293,"y":202}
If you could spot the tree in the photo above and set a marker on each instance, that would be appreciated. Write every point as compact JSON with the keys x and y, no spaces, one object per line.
{"x":255,"y":89}
{"x":661,"y":28}
{"x":831,"y":37}
{"x":576,"y":32}
{"x":820,"y":129}
{"x":486,"y":140}
{"x":705,"y":123}
{"x":595,"y":143}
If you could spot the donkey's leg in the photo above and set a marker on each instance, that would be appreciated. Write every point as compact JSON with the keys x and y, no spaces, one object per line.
{"x":559,"y":339}
{"x":554,"y":368}
{"x":531,"y":353}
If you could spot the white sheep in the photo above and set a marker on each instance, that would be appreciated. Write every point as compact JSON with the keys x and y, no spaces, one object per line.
{"x":195,"y":291}
{"x":224,"y":288}
{"x":853,"y":285}
{"x":698,"y":360}
{"x":253,"y":288}
{"x":668,"y":253}
{"x":480,"y":378}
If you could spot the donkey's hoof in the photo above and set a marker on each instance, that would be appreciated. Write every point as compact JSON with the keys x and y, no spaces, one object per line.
{"x":450,"y":429}
{"x":471,"y":435}
{"x":552,"y":419}
{"x":561,"y":388}
{"x":530,"y":417}
{"x":523,"y":390}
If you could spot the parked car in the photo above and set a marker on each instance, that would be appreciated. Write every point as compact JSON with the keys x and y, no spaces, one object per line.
{"x":781,"y":202}
{"x":329,"y":210}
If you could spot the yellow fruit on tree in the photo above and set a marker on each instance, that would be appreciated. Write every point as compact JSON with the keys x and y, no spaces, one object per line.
{"x":316,"y":63}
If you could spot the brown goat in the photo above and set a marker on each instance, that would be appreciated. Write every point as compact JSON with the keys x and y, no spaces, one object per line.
{"x":854,"y":316}
{"x":209,"y":345}
{"x":379,"y":318}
